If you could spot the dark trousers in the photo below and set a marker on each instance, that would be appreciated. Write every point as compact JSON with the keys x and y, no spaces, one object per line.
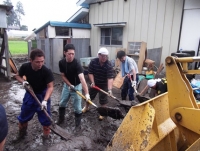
{"x":128,"y":89}
{"x":103,"y":99}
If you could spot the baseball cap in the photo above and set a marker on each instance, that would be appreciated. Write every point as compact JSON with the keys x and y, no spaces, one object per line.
{"x":103,"y":51}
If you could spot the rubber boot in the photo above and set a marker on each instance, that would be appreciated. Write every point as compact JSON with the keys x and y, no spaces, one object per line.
{"x":78,"y":119}
{"x":61,"y":115}
{"x":22,"y":132}
{"x":46,"y":131}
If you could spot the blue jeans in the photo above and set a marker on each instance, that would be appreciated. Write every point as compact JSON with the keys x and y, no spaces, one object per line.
{"x":67,"y":93}
{"x":128,"y":89}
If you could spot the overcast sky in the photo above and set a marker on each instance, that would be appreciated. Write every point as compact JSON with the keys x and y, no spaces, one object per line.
{"x":38,"y":12}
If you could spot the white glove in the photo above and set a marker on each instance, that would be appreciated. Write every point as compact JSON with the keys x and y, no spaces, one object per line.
{"x":25,"y":83}
{"x":87,"y":97}
{"x":44,"y":104}
{"x":71,"y":87}
{"x":133,"y":83}
{"x":110,"y":92}
{"x":92,"y":84}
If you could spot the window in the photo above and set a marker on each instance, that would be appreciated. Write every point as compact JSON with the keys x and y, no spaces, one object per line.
{"x":62,"y":31}
{"x":111,"y":36}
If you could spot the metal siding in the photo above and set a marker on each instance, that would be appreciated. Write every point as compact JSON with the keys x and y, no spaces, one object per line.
{"x":82,"y":47}
{"x":167,"y":31}
{"x":131,"y":22}
{"x":57,"y":54}
{"x":152,"y":23}
{"x":175,"y":28}
{"x":93,"y":18}
{"x":51,"y":32}
{"x":47,"y":53}
{"x":126,"y":6}
{"x":155,"y":22}
{"x":120,"y":10}
{"x":115,"y":11}
{"x":138,"y":20}
{"x":160,"y":23}
{"x":105,"y":13}
{"x":100,"y":18}
{"x":110,"y":10}
{"x":145,"y":20}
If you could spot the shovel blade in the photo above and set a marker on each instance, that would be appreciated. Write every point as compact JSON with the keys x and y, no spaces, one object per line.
{"x":142,"y":98}
{"x":114,"y":113}
{"x":61,"y":132}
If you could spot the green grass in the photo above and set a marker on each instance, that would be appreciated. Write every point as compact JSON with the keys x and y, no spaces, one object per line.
{"x":18,"y":47}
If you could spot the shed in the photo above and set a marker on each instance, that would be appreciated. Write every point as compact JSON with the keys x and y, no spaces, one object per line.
{"x":52,"y":37}
{"x":4,"y":51}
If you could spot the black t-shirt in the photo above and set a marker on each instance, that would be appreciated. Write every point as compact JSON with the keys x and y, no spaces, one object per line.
{"x":161,"y":87}
{"x":71,"y":70}
{"x":37,"y":79}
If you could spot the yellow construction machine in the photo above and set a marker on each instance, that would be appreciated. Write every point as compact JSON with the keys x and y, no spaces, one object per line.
{"x":168,"y":122}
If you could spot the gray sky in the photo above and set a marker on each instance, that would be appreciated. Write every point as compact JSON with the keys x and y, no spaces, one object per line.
{"x":38,"y":12}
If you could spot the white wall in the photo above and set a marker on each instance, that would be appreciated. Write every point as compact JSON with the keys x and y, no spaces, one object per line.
{"x":190,"y":34}
{"x":156,"y":22}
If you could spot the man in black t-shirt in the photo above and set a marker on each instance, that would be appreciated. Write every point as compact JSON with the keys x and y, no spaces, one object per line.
{"x":72,"y":75}
{"x":41,"y":79}
{"x":160,"y":85}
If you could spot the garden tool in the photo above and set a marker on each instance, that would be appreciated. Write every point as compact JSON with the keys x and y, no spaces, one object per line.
{"x":103,"y":111}
{"x":55,"y":128}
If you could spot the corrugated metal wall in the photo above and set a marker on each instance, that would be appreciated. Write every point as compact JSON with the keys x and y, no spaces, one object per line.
{"x":82,"y":47}
{"x":156,"y":22}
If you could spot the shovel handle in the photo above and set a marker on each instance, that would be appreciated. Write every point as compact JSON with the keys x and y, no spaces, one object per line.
{"x":97,"y":88}
{"x":81,"y":95}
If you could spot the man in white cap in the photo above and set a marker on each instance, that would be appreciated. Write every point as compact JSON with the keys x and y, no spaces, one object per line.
{"x":160,"y":85}
{"x":101,"y":74}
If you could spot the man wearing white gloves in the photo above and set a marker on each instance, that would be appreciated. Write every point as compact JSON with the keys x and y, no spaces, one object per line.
{"x":129,"y":69}
{"x":41,"y":80}
{"x":101,"y":74}
{"x":73,"y":77}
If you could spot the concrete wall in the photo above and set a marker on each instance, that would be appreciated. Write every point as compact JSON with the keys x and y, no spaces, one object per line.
{"x":156,"y":22}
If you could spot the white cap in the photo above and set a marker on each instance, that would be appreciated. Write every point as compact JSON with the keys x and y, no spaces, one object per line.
{"x":152,"y":82}
{"x":103,"y":51}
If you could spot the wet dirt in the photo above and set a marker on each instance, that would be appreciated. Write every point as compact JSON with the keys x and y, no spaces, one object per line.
{"x":93,"y":134}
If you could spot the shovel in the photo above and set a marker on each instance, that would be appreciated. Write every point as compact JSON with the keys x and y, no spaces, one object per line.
{"x":55,"y":128}
{"x":124,"y":103}
{"x":114,"y":113}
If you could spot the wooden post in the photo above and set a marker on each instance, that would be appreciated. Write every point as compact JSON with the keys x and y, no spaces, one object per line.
{"x":7,"y":55}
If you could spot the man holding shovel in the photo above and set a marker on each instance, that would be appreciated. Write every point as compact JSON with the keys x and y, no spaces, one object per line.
{"x":129,"y":69}
{"x":41,"y":79}
{"x":73,"y":77}
{"x":101,"y":74}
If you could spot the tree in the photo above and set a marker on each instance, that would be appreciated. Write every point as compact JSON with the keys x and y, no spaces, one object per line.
{"x":24,"y":28}
{"x":15,"y":17}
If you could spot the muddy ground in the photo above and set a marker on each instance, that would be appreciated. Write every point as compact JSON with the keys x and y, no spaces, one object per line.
{"x":94,"y":134}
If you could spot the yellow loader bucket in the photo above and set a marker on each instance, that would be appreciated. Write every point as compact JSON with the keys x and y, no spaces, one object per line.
{"x":146,"y":126}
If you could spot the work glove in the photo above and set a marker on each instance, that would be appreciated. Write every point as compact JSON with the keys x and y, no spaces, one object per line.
{"x":133,"y":83}
{"x":110,"y":92}
{"x":44,"y":104}
{"x":71,"y":87}
{"x":92,"y":85}
{"x":25,"y":83}
{"x":87,"y":97}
